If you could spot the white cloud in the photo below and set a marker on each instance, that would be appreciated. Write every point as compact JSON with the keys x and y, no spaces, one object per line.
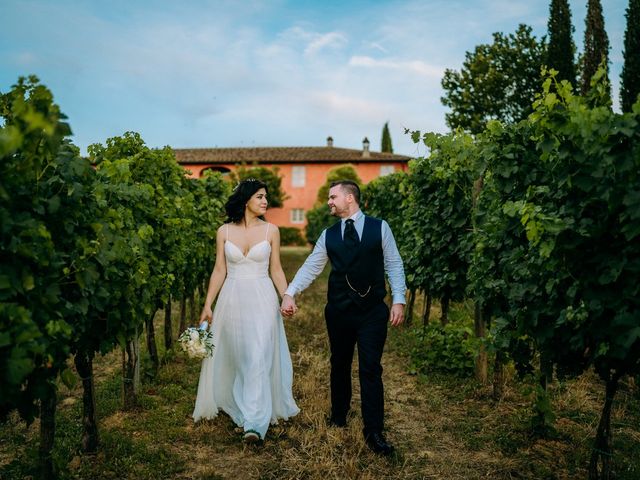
{"x":328,"y":40}
{"x":377,"y":46}
{"x":413,"y":66}
{"x":337,"y":104}
{"x":312,"y":41}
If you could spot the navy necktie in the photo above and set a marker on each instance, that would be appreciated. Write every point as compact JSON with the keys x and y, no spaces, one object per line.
{"x":351,"y":239}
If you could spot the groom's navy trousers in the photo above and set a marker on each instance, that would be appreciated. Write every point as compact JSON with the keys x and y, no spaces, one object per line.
{"x":369,"y":330}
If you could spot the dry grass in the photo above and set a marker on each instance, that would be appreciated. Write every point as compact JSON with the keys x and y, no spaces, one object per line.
{"x":443,"y":428}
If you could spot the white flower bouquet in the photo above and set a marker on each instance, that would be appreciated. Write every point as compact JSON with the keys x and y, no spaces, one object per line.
{"x":197,"y":342}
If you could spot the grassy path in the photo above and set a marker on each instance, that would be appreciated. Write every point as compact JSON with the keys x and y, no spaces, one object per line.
{"x":443,"y":428}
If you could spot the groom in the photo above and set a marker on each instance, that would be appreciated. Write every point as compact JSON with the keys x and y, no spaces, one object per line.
{"x":361,"y":249}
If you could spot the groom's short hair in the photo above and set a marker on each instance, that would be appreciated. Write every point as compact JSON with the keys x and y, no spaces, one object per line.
{"x":350,"y":187}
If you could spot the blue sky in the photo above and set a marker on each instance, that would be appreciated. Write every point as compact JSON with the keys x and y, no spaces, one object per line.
{"x":260,"y":73}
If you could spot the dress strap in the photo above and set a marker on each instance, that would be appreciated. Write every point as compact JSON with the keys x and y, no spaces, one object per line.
{"x":266,"y":235}
{"x":226,"y":231}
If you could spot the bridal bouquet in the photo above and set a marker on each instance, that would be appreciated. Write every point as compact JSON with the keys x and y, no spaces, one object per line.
{"x":197,"y":342}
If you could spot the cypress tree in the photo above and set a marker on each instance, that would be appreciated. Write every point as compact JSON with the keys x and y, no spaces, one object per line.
{"x":630,"y":77}
{"x":386,"y":139}
{"x":596,"y":44}
{"x":561,"y":49}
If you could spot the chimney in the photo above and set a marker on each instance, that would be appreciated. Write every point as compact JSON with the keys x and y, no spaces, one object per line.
{"x":365,"y":148}
{"x":329,"y":142}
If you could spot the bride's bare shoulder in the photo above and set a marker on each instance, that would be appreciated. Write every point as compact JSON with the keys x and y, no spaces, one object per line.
{"x":223,"y":230}
{"x":273,"y":229}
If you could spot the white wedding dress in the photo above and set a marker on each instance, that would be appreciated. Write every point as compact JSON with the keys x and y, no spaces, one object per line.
{"x":250,"y":374}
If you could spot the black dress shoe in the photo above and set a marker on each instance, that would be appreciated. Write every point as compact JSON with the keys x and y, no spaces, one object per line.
{"x":378,"y":444}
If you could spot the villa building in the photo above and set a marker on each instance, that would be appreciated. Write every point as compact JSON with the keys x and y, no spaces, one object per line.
{"x":303,"y":170}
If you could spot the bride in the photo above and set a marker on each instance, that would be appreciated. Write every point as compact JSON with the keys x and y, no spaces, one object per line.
{"x":250,"y":374}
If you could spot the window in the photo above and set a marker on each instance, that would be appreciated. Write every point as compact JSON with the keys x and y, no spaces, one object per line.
{"x":298,"y":177}
{"x":386,"y":170}
{"x":297,"y":215}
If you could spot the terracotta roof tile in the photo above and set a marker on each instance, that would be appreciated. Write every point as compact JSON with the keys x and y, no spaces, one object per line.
{"x":282,"y":155}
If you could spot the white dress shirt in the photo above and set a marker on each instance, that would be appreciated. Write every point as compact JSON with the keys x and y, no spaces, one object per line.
{"x":316,"y":261}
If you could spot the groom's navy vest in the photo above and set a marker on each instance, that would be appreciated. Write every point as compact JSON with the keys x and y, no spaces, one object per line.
{"x":356,"y":277}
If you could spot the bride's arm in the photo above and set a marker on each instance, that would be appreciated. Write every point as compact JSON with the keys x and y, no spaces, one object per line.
{"x":275,"y":266}
{"x":217,"y":277}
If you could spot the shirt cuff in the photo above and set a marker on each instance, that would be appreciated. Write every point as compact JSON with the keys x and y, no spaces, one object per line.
{"x":399,"y":299}
{"x":291,"y":291}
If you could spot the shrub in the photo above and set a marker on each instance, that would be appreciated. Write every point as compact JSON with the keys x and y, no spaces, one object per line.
{"x":318,"y":219}
{"x":450,"y":349}
{"x":291,"y":236}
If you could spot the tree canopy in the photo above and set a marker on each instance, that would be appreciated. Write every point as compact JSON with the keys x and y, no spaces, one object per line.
{"x":596,"y":45}
{"x":630,"y":77}
{"x":497,"y":81}
{"x":561,"y":48}
{"x":386,"y":146}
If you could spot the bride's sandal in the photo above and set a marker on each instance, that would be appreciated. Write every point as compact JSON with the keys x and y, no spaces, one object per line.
{"x":251,"y":436}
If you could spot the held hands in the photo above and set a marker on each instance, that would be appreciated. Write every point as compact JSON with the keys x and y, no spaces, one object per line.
{"x":288,"y":306}
{"x":396,"y":315}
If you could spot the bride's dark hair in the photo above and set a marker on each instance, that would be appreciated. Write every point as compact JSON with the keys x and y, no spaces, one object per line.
{"x":240,"y":196}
